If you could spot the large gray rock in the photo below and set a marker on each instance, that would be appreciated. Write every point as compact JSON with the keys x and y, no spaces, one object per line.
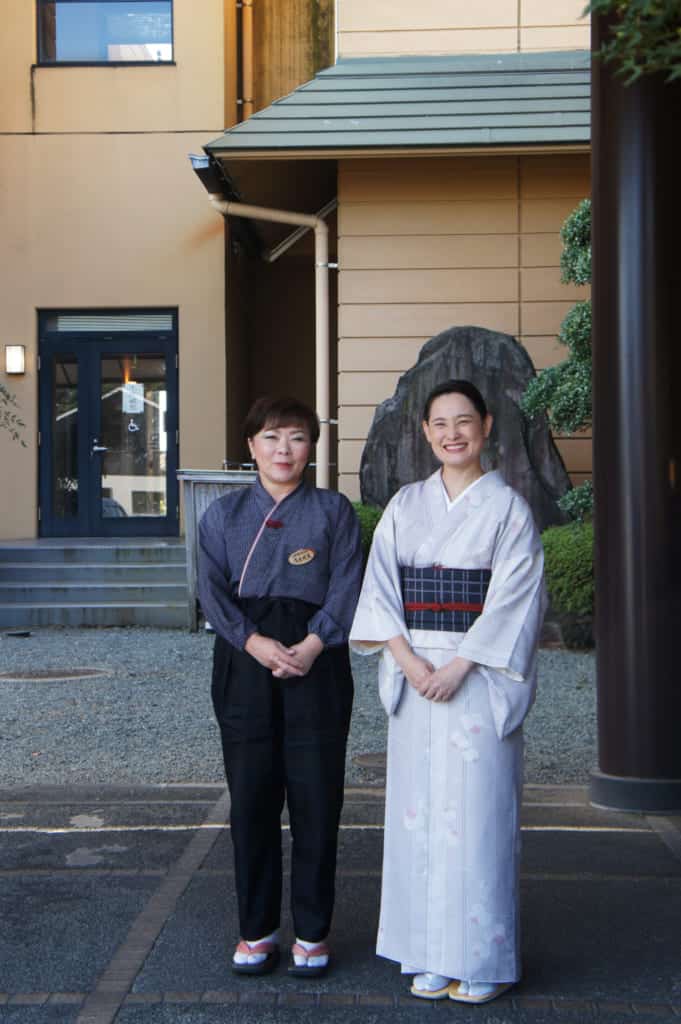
{"x":397,"y":453}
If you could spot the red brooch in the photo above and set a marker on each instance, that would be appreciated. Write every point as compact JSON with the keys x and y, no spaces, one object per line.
{"x":274,"y":524}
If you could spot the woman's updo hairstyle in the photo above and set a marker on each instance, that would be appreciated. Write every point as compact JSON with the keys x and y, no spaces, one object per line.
{"x":280,"y":412}
{"x":457,"y":387}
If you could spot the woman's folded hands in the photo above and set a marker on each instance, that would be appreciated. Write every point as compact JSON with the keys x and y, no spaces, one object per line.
{"x":284,"y":662}
{"x":437,"y":684}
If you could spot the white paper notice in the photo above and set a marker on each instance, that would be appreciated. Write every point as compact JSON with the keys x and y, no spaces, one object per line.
{"x":133,"y":398}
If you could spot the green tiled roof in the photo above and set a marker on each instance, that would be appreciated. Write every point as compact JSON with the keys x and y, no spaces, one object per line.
{"x":509,"y":99}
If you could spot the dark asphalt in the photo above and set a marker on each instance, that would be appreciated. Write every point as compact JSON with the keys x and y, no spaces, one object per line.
{"x":116,"y":903}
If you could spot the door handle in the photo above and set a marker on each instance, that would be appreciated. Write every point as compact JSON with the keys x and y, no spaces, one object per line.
{"x":97,"y":447}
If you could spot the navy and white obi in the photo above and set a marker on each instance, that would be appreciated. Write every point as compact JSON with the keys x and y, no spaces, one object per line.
{"x":448,"y":600}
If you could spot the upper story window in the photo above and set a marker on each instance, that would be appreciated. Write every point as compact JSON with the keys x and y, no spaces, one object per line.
{"x":105,"y":31}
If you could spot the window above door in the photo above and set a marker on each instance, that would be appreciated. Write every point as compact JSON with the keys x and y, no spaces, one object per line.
{"x":105,"y":31}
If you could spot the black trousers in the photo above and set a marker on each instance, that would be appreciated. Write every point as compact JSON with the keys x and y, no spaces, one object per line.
{"x":283,"y":739}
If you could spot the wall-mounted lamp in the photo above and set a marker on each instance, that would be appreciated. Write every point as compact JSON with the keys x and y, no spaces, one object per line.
{"x":15,"y":358}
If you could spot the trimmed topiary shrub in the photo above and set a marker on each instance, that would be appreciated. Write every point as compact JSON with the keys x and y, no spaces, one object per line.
{"x":579,"y":502}
{"x":563,"y":391}
{"x":568,"y":555}
{"x":368,"y":516}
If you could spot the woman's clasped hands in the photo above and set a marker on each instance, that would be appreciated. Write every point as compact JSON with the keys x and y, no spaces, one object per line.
{"x":436,"y":684}
{"x":284,"y":662}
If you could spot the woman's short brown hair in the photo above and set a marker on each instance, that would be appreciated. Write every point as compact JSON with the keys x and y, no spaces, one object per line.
{"x":280,"y":412}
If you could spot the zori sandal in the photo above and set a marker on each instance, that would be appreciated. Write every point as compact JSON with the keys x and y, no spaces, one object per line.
{"x":477,"y":991}
{"x":244,"y":960}
{"x":309,"y":963}
{"x":431,"y":986}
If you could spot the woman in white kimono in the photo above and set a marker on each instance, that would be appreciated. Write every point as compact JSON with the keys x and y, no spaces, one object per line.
{"x":453,"y":597}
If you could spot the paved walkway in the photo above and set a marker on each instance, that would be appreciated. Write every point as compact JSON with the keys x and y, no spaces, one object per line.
{"x":117,"y":904}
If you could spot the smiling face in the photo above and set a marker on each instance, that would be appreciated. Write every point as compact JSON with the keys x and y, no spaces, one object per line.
{"x":456,"y":432}
{"x":281,"y":454}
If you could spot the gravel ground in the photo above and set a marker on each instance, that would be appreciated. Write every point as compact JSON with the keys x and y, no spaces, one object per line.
{"x":149,"y":719}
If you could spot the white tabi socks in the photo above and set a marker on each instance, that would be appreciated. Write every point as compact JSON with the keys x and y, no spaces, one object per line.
{"x":255,"y":958}
{"x":429,"y":982}
{"x":310,"y":961}
{"x":476,"y":988}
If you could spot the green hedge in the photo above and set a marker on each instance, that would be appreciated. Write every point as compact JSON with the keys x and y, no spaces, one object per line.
{"x":368,"y":516}
{"x":568,"y":552}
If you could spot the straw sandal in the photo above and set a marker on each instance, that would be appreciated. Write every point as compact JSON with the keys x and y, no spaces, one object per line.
{"x":465,"y":997}
{"x":306,"y":970}
{"x":271,"y":951}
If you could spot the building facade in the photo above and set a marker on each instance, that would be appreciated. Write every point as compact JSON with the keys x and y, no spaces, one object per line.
{"x":148,"y":326}
{"x":113,"y":271}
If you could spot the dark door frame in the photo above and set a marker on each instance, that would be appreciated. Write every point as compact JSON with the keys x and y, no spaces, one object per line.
{"x":89,"y":348}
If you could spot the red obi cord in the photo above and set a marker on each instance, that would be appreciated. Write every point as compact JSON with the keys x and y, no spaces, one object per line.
{"x":449,"y":606}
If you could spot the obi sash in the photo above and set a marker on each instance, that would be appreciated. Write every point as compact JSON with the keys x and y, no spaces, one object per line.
{"x":436,"y":598}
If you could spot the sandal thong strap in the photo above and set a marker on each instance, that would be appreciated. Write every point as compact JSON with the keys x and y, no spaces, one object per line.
{"x":262,"y":947}
{"x":321,"y":949}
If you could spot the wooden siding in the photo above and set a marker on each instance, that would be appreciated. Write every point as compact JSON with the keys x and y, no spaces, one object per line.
{"x":393,"y":27}
{"x":428,"y":243}
{"x":293,"y":39}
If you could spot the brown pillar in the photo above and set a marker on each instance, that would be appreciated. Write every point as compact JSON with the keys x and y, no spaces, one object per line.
{"x":637,"y":438}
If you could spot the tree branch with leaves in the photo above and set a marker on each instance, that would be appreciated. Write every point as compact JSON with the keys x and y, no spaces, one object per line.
{"x":9,"y":418}
{"x":644,"y":37}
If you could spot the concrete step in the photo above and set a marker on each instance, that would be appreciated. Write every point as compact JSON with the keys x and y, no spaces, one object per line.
{"x":171,"y":615}
{"x":103,"y":551}
{"x":100,"y":572}
{"x":91,"y":593}
{"x":134,"y":581}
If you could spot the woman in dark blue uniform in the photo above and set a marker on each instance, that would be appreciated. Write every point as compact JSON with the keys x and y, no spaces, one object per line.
{"x":279,"y":578}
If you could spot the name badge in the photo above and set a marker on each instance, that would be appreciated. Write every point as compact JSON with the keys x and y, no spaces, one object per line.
{"x":301,"y":557}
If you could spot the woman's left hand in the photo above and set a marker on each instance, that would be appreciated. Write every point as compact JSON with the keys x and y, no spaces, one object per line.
{"x":445,"y":681}
{"x":304,"y":654}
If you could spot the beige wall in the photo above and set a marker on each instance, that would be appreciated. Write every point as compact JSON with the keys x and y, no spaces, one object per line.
{"x":100,"y":221}
{"x":100,"y":208}
{"x":392,"y":27}
{"x":17,"y":53}
{"x":425,"y":244}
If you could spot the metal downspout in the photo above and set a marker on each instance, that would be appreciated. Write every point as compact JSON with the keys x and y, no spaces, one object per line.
{"x":322,"y":361}
{"x":246,"y":100}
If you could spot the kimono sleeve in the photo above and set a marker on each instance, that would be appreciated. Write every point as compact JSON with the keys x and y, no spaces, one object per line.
{"x":214,"y":581}
{"x":506,"y":634}
{"x":333,"y":620}
{"x":380,"y":612}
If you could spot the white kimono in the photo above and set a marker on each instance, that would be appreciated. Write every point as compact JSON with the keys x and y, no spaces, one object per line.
{"x":449,"y":900}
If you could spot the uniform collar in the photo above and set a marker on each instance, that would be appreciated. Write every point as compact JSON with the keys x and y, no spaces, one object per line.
{"x":264,"y":499}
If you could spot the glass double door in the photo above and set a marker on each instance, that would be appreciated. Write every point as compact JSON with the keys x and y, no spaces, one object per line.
{"x":108,"y":452}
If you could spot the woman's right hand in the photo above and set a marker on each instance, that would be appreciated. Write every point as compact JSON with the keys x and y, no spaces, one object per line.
{"x":273,"y":655}
{"x":417,"y":670}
